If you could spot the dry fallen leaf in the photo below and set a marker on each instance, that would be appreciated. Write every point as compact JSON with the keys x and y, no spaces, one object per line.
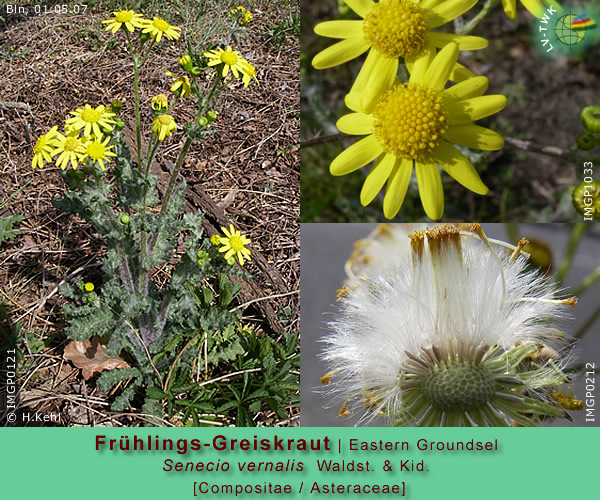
{"x":91,"y":357}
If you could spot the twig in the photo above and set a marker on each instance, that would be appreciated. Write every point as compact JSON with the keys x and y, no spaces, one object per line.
{"x":552,"y":151}
{"x":264,"y":298}
{"x":229,"y":375}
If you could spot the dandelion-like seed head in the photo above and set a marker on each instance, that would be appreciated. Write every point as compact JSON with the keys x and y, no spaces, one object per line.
{"x":443,"y":327}
{"x":396,"y":28}
{"x":410,"y":121}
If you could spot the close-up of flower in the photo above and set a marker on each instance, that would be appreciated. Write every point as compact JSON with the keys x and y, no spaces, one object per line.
{"x":181,"y":84}
{"x":415,"y":125}
{"x":44,"y":146}
{"x":447,"y":327}
{"x":234,"y":244}
{"x":390,"y":30}
{"x":163,"y":126}
{"x":230,"y":59}
{"x":536,"y":7}
{"x":98,"y":151}
{"x":159,"y":102}
{"x":158,"y":27}
{"x":91,"y":119}
{"x":70,"y":149}
{"x":124,"y":18}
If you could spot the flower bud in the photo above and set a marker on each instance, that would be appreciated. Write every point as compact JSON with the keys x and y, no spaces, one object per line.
{"x":203,"y":257}
{"x":119,"y":124}
{"x":185,"y":62}
{"x":88,"y":287}
{"x":202,"y":121}
{"x":196,"y":71}
{"x":590,"y":117}
{"x":585,"y":142}
{"x":211,"y":116}
{"x":124,"y":219}
{"x":586,"y":199}
{"x":116,"y":105}
{"x":231,"y":261}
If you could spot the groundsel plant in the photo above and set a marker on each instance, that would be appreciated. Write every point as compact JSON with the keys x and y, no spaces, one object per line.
{"x":446,"y":327}
{"x":165,"y":330}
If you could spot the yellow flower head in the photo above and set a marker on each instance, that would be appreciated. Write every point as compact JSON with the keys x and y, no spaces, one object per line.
{"x":415,"y":125}
{"x":215,"y":239}
{"x":163,"y":125}
{"x":43,"y":147}
{"x":159,"y":27}
{"x":159,"y":102}
{"x":389,"y":30}
{"x":126,"y":18}
{"x":241,"y":15}
{"x":98,"y":151}
{"x":71,"y":149}
{"x":181,"y":84}
{"x":536,"y":7}
{"x":230,"y":59}
{"x":234,"y":245}
{"x":91,"y":119}
{"x":88,"y":287}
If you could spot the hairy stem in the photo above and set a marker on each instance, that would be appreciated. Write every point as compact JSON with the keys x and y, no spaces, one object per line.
{"x":574,"y":239}
{"x":485,"y":10}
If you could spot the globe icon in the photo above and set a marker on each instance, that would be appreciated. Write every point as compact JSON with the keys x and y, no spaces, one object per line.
{"x":565,"y":33}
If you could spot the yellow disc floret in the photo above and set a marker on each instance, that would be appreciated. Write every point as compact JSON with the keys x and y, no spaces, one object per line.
{"x":396,"y":28}
{"x":410,"y":121}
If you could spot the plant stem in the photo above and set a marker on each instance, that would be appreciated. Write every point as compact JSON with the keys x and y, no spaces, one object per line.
{"x":485,"y":10}
{"x":587,"y":282}
{"x":574,"y":239}
{"x":589,"y":322}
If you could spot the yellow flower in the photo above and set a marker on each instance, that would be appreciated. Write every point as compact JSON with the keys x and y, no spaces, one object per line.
{"x":43,"y":148}
{"x":88,"y":287}
{"x":536,"y":7}
{"x":181,"y":84}
{"x":128,"y":18}
{"x":389,"y":30}
{"x":98,"y":151}
{"x":230,"y":59}
{"x":215,"y":239}
{"x":159,"y":27}
{"x":91,"y":119}
{"x":71,"y":149}
{"x":234,"y":244}
{"x":415,"y":124}
{"x":160,"y":101}
{"x":163,"y":125}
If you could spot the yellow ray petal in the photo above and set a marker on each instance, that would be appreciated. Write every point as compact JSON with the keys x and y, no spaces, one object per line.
{"x":460,"y":73}
{"x":510,"y":7}
{"x":459,"y":168}
{"x":464,"y":42}
{"x":377,"y":177}
{"x":356,"y":156}
{"x":449,"y":10}
{"x":356,"y":124}
{"x":340,"y":29}
{"x":474,"y":136}
{"x":340,"y":53}
{"x":361,"y":7}
{"x":473,"y":87}
{"x":373,"y":80}
{"x":535,"y":7}
{"x":430,"y":188}
{"x":418,"y":66}
{"x":396,"y":188}
{"x":474,"y":109}
{"x":440,"y":68}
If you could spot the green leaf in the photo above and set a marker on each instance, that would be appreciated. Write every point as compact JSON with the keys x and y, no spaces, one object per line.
{"x":6,"y":227}
{"x":155,"y":393}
